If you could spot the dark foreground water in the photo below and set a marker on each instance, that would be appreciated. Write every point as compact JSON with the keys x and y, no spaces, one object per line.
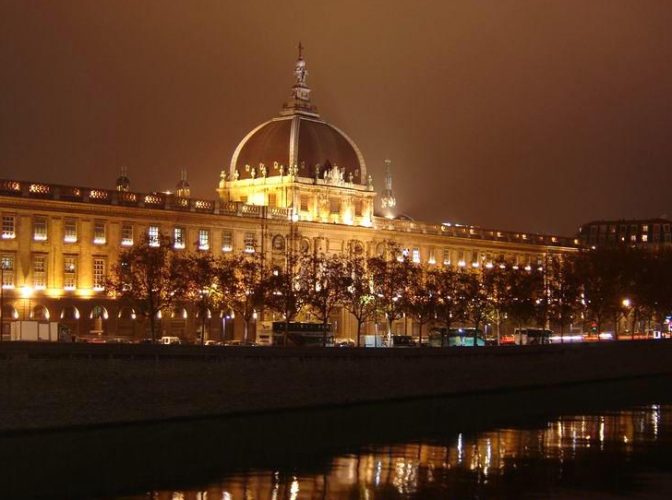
{"x":610,"y":440}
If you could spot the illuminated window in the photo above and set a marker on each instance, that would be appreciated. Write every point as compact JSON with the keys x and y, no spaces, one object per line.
{"x":250,"y":242}
{"x":227,"y":241}
{"x":39,"y":271}
{"x":432,"y":258}
{"x":203,"y":239}
{"x":179,"y":238}
{"x":8,"y":227}
{"x":153,"y":236}
{"x":126,"y":235}
{"x":645,"y":228}
{"x":99,"y":232}
{"x":446,"y":256}
{"x":272,"y":200}
{"x":69,"y":272}
{"x":98,"y":273}
{"x":416,"y":255}
{"x":645,"y":238}
{"x":7,"y":269}
{"x":358,"y":208}
{"x":633,"y":238}
{"x":304,"y":203}
{"x":70,"y":230}
{"x":40,"y":228}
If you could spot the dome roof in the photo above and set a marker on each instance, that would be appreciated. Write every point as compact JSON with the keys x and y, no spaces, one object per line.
{"x":298,"y":137}
{"x":304,"y":141}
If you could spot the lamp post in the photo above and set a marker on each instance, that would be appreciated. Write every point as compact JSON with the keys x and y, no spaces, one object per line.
{"x":627,"y":304}
{"x":2,"y":300}
{"x":204,"y":312}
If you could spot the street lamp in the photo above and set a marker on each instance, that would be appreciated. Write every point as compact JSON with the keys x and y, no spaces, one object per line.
{"x":627,"y":304}
{"x":204,"y":312}
{"x":3,"y":268}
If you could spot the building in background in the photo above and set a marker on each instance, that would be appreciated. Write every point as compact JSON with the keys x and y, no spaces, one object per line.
{"x":646,"y":233}
{"x":293,"y":178}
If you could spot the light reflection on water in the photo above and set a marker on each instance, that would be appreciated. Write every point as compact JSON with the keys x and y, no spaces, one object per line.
{"x":595,"y":455}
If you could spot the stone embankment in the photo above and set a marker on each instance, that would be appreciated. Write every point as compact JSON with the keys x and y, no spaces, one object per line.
{"x":51,"y":386}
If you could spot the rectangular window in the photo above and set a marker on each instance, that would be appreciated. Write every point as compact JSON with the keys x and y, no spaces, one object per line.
{"x":432,"y":258}
{"x":304,"y":203}
{"x":39,"y":228}
{"x":69,"y":272}
{"x":250,"y":242}
{"x":179,"y":239}
{"x":446,"y":256}
{"x":334,"y":206}
{"x":153,"y":236}
{"x":70,"y":230}
{"x":8,"y":227}
{"x":126,"y":235}
{"x":645,"y":228}
{"x":39,"y":271}
{"x":99,"y":237}
{"x":204,"y":239}
{"x":272,"y":200}
{"x":645,"y":238}
{"x":416,"y":255}
{"x":358,"y":208}
{"x":98,"y":273}
{"x":7,"y":270}
{"x":227,"y":241}
{"x":633,"y":238}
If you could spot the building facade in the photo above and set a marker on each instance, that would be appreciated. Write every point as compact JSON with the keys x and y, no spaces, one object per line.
{"x":294,"y":177}
{"x":645,"y":233}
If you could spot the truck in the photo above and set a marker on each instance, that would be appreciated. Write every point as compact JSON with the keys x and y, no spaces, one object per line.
{"x":36,"y":331}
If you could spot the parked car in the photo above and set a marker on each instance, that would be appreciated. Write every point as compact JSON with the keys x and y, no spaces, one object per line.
{"x":170,"y":340}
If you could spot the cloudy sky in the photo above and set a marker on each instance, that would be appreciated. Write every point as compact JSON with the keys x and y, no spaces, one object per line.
{"x":526,"y":114}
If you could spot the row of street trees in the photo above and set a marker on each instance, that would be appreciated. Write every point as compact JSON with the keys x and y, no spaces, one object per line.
{"x":601,"y":286}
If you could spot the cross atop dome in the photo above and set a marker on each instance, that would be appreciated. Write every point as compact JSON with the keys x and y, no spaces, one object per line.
{"x":299,"y":100}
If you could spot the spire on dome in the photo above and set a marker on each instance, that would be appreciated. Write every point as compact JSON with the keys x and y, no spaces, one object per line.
{"x":299,"y":100}
{"x":387,"y":199}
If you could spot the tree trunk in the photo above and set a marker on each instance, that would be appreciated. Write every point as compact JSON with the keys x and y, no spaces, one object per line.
{"x":359,"y":332}
{"x":152,"y":321}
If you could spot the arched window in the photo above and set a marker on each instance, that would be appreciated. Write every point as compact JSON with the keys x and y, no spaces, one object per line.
{"x":70,"y":313}
{"x":39,"y":313}
{"x":98,"y":312}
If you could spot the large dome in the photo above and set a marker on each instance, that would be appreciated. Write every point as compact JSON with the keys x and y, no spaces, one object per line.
{"x":301,"y":140}
{"x":298,"y":137}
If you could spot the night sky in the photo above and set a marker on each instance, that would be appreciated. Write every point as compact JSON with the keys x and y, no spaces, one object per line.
{"x":533,"y":115}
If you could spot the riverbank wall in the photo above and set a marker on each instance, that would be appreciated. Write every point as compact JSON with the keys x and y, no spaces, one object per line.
{"x":55,"y":386}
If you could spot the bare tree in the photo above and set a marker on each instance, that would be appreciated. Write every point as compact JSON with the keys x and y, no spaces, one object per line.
{"x":200,"y":274}
{"x":452,"y":300}
{"x":324,"y":280}
{"x":359,"y":299}
{"x":421,"y":298}
{"x":149,"y":277}
{"x":390,"y":277}
{"x":243,"y":285}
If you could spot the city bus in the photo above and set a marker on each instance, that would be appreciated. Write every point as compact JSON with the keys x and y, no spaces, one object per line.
{"x":532,"y":336}
{"x":302,"y":334}
{"x":455,"y":337}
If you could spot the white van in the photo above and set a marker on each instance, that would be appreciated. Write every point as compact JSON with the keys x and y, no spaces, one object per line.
{"x":170,"y":340}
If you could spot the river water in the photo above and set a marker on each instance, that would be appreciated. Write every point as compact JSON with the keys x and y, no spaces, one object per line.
{"x":609,"y":440}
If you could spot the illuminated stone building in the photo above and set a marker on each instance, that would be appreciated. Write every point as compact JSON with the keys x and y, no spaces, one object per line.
{"x":295,"y":178}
